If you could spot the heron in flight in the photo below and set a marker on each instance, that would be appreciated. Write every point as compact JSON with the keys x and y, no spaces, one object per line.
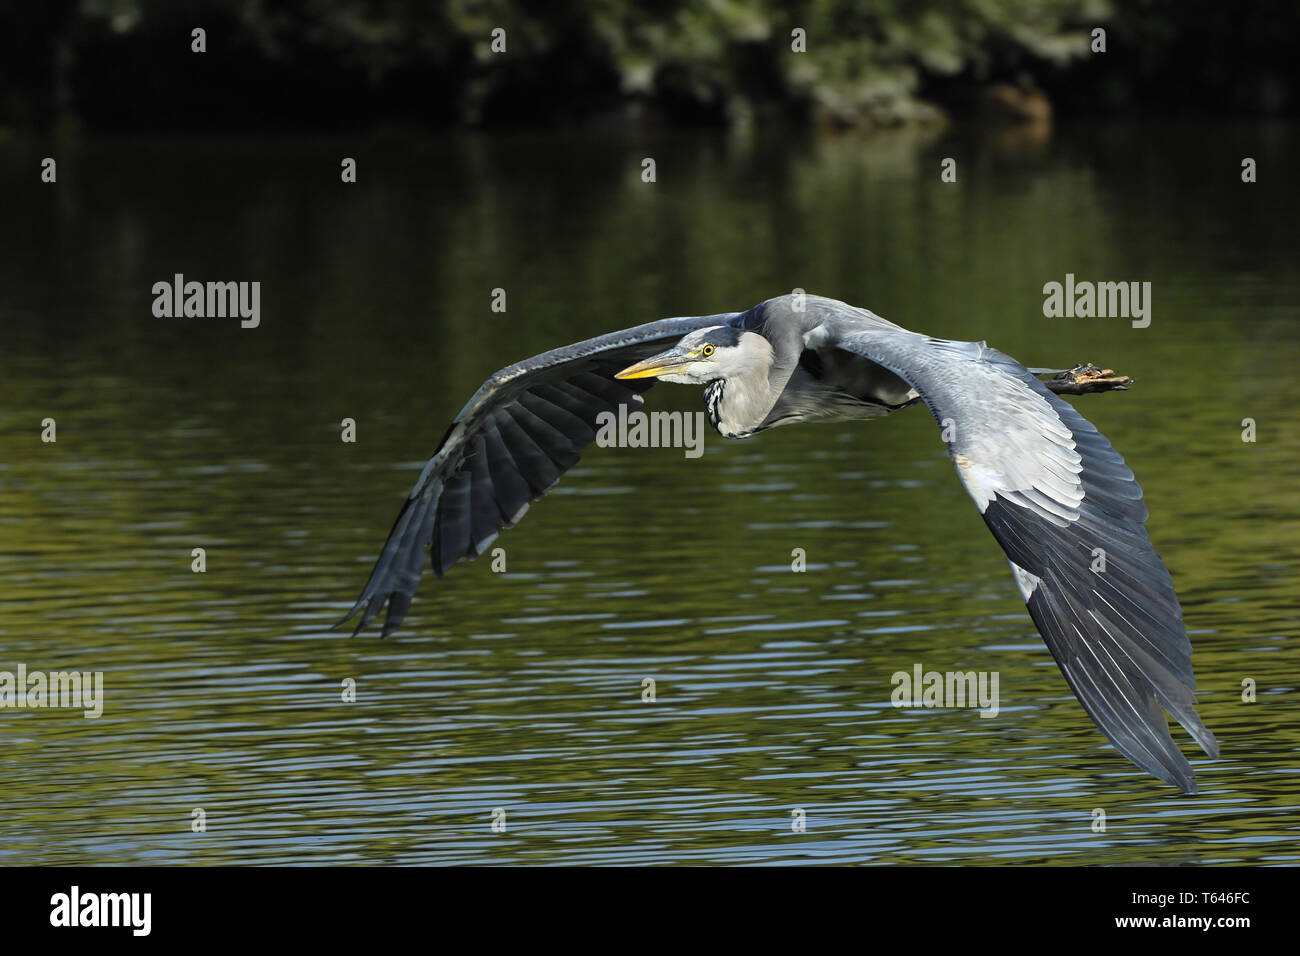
{"x":1049,"y":486}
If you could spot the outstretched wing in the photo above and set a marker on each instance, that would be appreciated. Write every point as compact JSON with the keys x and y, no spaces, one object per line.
{"x":527,"y":425}
{"x":1061,"y":501}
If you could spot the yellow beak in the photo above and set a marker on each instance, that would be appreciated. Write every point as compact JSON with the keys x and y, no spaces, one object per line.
{"x":665,"y":363}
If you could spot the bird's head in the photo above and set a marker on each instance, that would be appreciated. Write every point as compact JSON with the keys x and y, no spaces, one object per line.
{"x":704,"y":356}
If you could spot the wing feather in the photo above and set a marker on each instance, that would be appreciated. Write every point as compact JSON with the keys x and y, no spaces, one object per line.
{"x":1057,"y":497}
{"x":527,"y":425}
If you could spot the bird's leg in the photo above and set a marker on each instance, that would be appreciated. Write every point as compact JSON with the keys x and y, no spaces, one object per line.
{"x":1087,"y":378}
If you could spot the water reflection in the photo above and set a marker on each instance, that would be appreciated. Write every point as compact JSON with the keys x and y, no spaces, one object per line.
{"x":523,"y":690}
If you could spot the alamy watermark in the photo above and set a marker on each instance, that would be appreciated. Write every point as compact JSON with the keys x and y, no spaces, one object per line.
{"x":208,"y":300}
{"x":641,"y":429}
{"x":80,"y":690}
{"x":129,"y":910}
{"x":956,"y":689}
{"x":1084,"y":300}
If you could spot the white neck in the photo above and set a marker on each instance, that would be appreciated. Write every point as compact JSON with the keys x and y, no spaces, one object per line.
{"x":739,"y":402}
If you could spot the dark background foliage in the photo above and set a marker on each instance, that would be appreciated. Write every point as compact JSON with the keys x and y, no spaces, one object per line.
{"x":309,"y":64}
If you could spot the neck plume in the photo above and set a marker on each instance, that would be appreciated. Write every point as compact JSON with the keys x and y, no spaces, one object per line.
{"x":738,"y":403}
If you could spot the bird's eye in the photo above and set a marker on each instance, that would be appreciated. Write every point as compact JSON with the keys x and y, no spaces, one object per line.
{"x":706,"y":351}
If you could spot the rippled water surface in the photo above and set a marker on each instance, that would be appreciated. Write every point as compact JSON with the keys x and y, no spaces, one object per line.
{"x":523,"y":690}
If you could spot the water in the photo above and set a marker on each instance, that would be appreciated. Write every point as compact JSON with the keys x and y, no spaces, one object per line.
{"x":523,"y":690}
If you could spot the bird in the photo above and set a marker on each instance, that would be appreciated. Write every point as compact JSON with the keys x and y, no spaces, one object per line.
{"x":1050,"y":487}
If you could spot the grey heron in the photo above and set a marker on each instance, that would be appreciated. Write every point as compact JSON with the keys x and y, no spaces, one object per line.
{"x":1049,"y":486}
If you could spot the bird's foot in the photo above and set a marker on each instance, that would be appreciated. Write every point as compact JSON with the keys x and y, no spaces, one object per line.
{"x":1087,"y":378}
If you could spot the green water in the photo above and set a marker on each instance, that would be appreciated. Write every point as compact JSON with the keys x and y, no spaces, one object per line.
{"x":523,"y":690}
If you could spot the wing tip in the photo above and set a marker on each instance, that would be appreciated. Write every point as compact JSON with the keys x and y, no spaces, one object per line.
{"x":347,"y":617}
{"x":370,"y":609}
{"x":1166,"y":764}
{"x":361,"y":624}
{"x":1207,"y":741}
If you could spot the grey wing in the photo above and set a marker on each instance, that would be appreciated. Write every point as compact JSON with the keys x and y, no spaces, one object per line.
{"x":1060,"y":501}
{"x":526,"y":426}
